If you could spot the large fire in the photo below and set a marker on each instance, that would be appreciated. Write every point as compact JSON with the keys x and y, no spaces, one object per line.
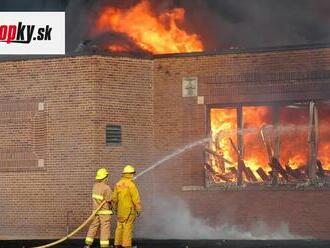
{"x":157,"y":34}
{"x":292,"y":132}
{"x":324,"y":135}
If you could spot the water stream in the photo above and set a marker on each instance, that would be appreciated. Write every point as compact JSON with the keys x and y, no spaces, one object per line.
{"x":172,"y":155}
{"x":223,"y":134}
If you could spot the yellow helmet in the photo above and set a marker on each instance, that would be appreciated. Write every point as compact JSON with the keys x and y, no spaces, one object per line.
{"x":128,"y":169}
{"x":101,"y":174}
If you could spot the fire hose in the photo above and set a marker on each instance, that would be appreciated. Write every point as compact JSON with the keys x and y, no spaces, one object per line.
{"x":75,"y":231}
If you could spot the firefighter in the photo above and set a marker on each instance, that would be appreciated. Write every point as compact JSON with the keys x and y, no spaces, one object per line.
{"x":126,"y":203}
{"x":101,"y":191}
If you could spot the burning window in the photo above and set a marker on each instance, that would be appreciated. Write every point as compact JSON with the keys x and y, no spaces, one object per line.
{"x":223,"y":161}
{"x":270,"y":145}
{"x":293,"y":139}
{"x":255,"y":153}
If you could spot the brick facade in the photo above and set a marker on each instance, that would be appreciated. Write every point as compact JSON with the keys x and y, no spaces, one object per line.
{"x":79,"y":100}
{"x":231,"y":79}
{"x":53,"y":117}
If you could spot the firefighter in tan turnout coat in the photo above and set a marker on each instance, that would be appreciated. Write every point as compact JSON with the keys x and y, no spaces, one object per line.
{"x":126,"y":202}
{"x":101,"y":191}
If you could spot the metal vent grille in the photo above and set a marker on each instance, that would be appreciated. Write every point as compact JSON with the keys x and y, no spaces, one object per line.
{"x":113,"y":134}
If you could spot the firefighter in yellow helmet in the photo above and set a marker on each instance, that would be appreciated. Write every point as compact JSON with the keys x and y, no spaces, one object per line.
{"x":126,"y":202}
{"x":101,"y":191}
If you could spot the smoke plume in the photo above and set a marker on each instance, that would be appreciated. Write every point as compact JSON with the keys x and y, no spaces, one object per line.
{"x":221,"y":24}
{"x":174,"y":220}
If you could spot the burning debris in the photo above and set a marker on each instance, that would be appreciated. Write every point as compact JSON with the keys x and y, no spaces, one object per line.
{"x":269,"y":145}
{"x":155,"y":33}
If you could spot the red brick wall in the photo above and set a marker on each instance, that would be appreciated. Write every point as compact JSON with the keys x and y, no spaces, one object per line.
{"x":83,"y":94}
{"x":125,"y":98}
{"x":233,"y":78}
{"x":80,"y":95}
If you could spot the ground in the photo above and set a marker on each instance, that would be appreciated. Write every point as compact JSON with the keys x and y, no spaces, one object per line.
{"x":185,"y":244}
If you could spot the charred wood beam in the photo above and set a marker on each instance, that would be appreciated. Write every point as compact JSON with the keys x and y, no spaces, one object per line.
{"x":271,"y":156}
{"x":320,"y":172}
{"x":235,"y":148}
{"x":233,"y":170}
{"x":240,"y":169}
{"x":262,"y":174}
{"x":209,"y":168}
{"x":246,"y":173}
{"x":207,"y":150}
{"x":241,"y":164}
{"x":301,"y":172}
{"x":251,"y":174}
{"x":223,"y":177}
{"x":277,"y":168}
{"x":217,"y":157}
{"x":293,"y":173}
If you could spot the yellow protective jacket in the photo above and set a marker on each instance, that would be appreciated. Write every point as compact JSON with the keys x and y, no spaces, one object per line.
{"x":101,"y":192}
{"x":126,"y":198}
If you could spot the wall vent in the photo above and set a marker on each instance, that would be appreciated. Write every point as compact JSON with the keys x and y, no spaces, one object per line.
{"x":113,"y":134}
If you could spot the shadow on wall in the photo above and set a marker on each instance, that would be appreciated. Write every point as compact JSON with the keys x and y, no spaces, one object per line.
{"x":173,"y":220}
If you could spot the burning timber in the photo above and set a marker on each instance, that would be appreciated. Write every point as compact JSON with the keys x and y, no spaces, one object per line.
{"x":229,"y":162}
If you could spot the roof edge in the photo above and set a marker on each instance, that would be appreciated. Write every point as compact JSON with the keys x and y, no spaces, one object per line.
{"x":247,"y":50}
{"x":171,"y":55}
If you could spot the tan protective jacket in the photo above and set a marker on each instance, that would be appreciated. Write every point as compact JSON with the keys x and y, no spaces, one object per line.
{"x":126,"y":198}
{"x":101,"y":192}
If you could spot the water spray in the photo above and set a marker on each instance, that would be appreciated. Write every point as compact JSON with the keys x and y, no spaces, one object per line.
{"x":172,"y":155}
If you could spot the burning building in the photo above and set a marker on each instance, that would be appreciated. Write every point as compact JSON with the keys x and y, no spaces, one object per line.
{"x":265,"y":112}
{"x":253,"y":125}
{"x":263,"y":115}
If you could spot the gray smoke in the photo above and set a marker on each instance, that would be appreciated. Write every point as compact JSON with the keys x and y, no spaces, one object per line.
{"x":224,"y":24}
{"x":174,"y":220}
{"x":253,"y":23}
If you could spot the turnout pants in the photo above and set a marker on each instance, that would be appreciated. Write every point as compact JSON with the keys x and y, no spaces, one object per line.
{"x":124,"y":231}
{"x":102,"y":221}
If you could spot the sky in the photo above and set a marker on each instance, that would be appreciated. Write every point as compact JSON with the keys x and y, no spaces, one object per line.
{"x":221,"y":24}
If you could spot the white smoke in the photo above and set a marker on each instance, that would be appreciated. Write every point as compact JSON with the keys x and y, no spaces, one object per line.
{"x":173,"y":220}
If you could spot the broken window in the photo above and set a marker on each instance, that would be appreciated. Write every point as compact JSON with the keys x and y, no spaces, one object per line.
{"x":280,"y":144}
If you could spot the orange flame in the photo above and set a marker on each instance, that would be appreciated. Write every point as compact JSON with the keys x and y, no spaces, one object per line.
{"x":324,"y":135}
{"x":293,"y":140}
{"x":223,"y":122}
{"x":156,"y":34}
{"x":118,"y":48}
{"x":255,"y":153}
{"x":293,"y":132}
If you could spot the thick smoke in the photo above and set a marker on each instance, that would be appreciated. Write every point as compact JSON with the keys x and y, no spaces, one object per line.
{"x":33,"y":5}
{"x":173,"y":220}
{"x":253,"y":23}
{"x":222,"y":24}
